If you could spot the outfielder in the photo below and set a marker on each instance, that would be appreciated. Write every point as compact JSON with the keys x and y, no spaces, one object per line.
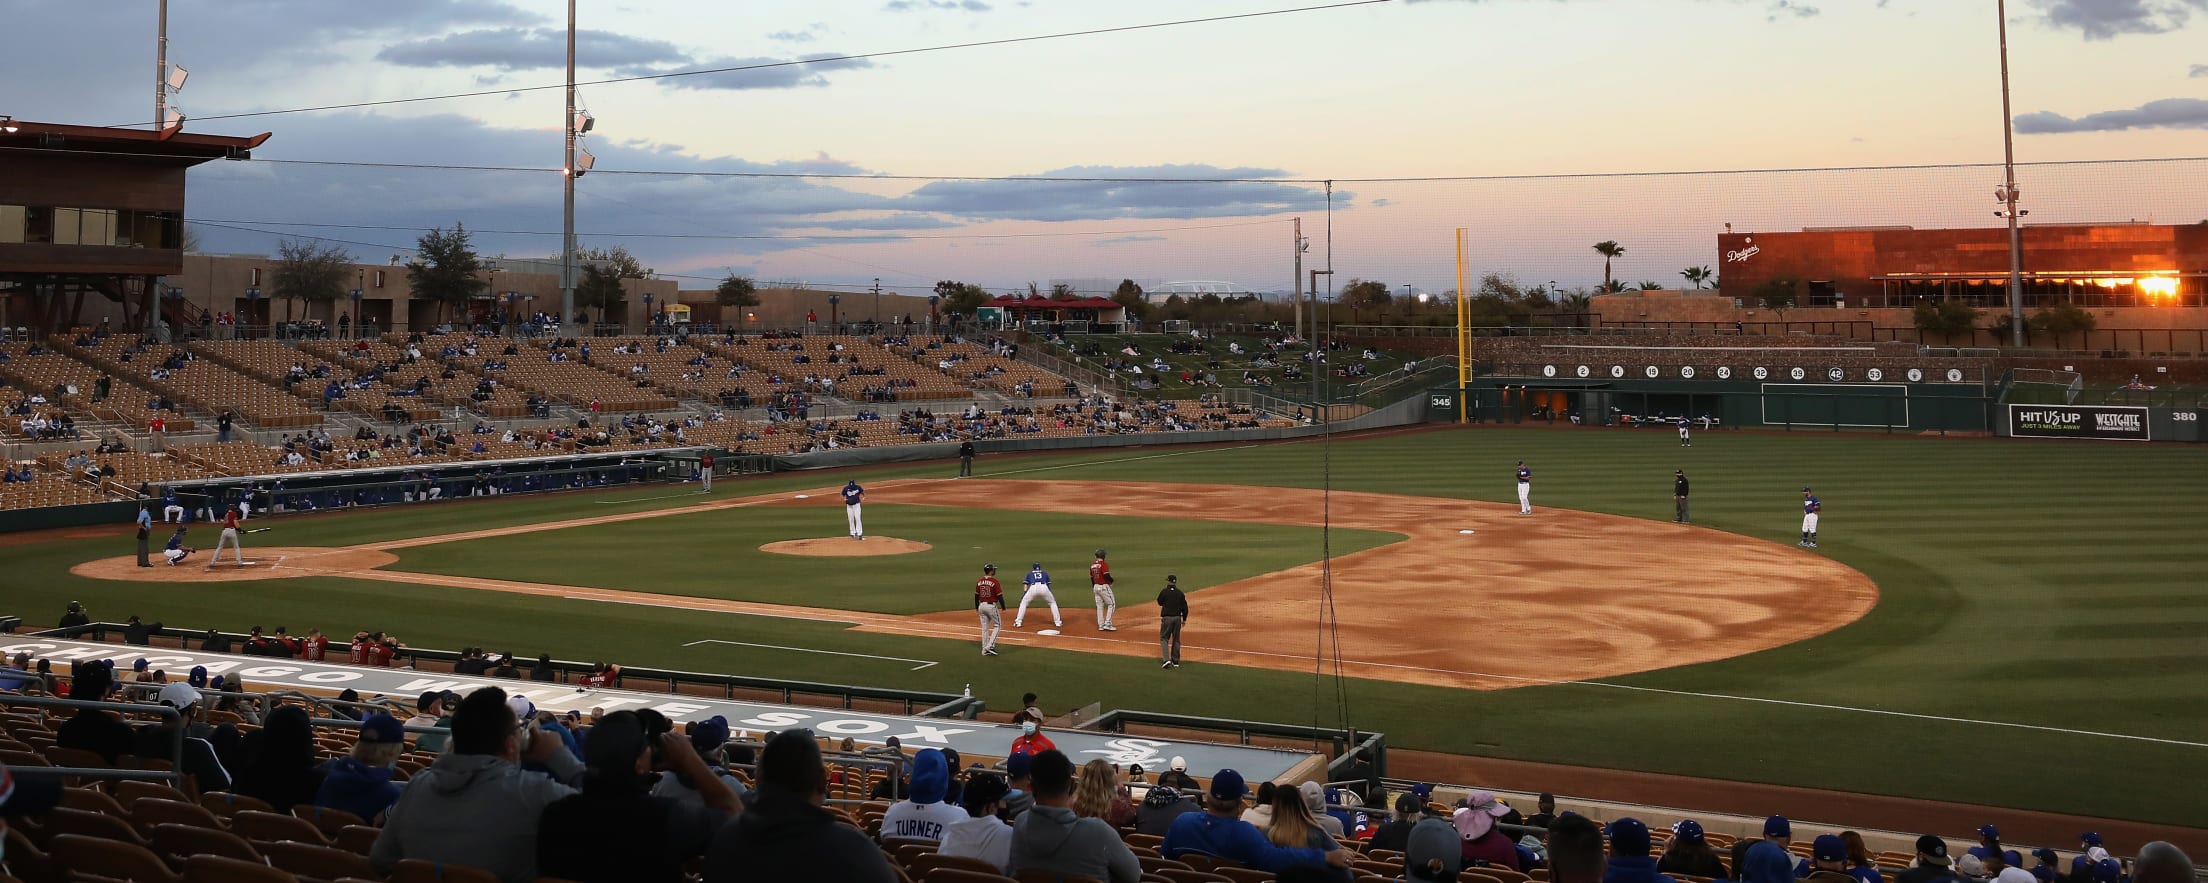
{"x":229,"y":538}
{"x":1686,"y":440}
{"x":1038,"y":586}
{"x":175,"y":551}
{"x":1100,"y":585}
{"x":705,"y":473}
{"x":853,"y":495}
{"x":1525,"y":489}
{"x":989,"y":604}
{"x":1810,"y":509}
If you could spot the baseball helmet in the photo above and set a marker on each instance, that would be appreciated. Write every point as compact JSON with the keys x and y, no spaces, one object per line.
{"x":989,"y":568}
{"x":1100,"y":553}
{"x":1037,"y":565}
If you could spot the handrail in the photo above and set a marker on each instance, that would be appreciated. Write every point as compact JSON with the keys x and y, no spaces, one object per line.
{"x":1359,"y":750}
{"x":167,"y":714}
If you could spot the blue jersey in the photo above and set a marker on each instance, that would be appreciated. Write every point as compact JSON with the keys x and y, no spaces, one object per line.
{"x":1525,"y":476}
{"x":145,"y":520}
{"x":169,"y":496}
{"x":851,"y":493}
{"x":1037,"y":576}
{"x":176,"y":541}
{"x":1810,"y":506}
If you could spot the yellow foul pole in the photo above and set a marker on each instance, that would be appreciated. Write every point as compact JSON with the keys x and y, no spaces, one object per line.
{"x":1464,"y":333}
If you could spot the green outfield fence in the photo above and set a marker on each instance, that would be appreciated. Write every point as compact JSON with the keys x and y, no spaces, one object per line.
{"x":1659,"y":404}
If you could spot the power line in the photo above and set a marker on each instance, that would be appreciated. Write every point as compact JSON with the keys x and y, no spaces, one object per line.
{"x":793,"y":63}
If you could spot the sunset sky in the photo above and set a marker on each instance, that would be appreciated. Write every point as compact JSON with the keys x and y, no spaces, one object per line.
{"x":1398,"y":89}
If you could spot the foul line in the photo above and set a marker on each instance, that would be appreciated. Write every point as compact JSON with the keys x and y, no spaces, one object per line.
{"x":923,"y":662}
{"x":697,"y":609}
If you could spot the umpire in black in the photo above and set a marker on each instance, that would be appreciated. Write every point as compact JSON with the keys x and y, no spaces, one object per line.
{"x":1679,"y":496}
{"x":1172,"y":614}
{"x":966,"y":458}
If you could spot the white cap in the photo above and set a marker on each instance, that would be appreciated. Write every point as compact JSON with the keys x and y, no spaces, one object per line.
{"x":523,"y":708}
{"x":180,"y":694}
{"x":1179,"y":764}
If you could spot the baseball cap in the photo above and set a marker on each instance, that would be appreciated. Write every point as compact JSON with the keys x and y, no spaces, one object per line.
{"x":428,"y":699}
{"x":1015,"y":766}
{"x":1687,"y":829}
{"x":1989,"y":831}
{"x":198,"y":676}
{"x":523,"y":708}
{"x":710,"y":734}
{"x":1628,"y":837}
{"x":1179,"y":764}
{"x":1933,"y":849}
{"x":1829,"y":848}
{"x":1776,"y":827}
{"x":2108,"y":870}
{"x":140,"y":665}
{"x":1805,"y":490}
{"x":1227,"y":785}
{"x":382,"y":729}
{"x":1170,"y":577}
{"x":180,"y":694}
{"x":2045,"y":855}
{"x":1037,"y":565}
{"x":2090,"y":838}
{"x":1407,"y":802}
{"x":991,"y":568}
{"x":2013,"y":874}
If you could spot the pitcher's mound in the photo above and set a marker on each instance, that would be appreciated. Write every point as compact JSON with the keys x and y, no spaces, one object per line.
{"x":846,"y":547}
{"x":279,"y":562}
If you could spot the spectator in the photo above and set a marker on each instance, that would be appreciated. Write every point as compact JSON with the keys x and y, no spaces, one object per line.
{"x":1161,"y":807}
{"x":2009,"y":874}
{"x":1971,"y":867}
{"x":1989,"y":844}
{"x":785,"y":834}
{"x":159,"y":742}
{"x":91,"y":729}
{"x":923,"y":815}
{"x":429,"y":711}
{"x":1314,"y":801}
{"x":475,"y":805}
{"x":1544,"y":813}
{"x":1828,"y":861}
{"x":707,"y":738}
{"x":1261,"y":815}
{"x":615,"y":830}
{"x":2047,"y":871}
{"x":981,"y":834}
{"x":1768,"y":862}
{"x":280,"y":761}
{"x":1100,"y":796}
{"x":1861,"y":865}
{"x":344,"y":711}
{"x":1395,"y":833}
{"x":1176,"y":775}
{"x":1219,"y":831}
{"x":1430,"y":851}
{"x":2162,"y":862}
{"x":544,"y":670}
{"x":1293,"y":825}
{"x":1690,"y":855}
{"x":604,"y":674}
{"x":1051,"y":838}
{"x":1485,"y":844}
{"x":74,"y":616}
{"x":1031,"y":740}
{"x":1576,"y":850}
{"x":215,"y":642}
{"x":1018,"y":801}
{"x":360,"y":782}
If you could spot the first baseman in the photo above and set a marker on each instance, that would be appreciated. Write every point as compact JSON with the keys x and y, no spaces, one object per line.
{"x":853,"y":495}
{"x":1100,"y":585}
{"x":989,"y":604}
{"x":229,"y":538}
{"x":1525,"y":489}
{"x":1810,"y":508}
{"x":1038,"y":585}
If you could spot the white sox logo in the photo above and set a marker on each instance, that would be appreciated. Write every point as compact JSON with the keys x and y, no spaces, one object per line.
{"x":1126,"y":751}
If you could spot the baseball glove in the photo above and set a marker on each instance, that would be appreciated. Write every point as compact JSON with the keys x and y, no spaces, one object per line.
{"x":1109,"y":579}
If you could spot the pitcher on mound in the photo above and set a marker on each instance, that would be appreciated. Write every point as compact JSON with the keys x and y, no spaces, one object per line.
{"x":853,"y":496}
{"x":1038,"y":586}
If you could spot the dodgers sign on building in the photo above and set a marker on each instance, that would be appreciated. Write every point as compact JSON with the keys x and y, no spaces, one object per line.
{"x":2110,"y":422}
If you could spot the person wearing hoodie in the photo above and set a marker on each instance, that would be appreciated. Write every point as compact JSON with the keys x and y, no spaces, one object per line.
{"x":1629,"y":858}
{"x":1828,"y":860}
{"x":1764,"y":862}
{"x":785,"y":834}
{"x":1261,"y":815}
{"x":1395,"y":833}
{"x":280,"y":761}
{"x":1051,"y":838}
{"x":360,"y":782}
{"x":158,"y":742}
{"x":1689,"y":854}
{"x":91,"y":729}
{"x":1931,"y":864}
{"x":615,"y":830}
{"x":1483,"y":842}
{"x":981,"y":834}
{"x":1430,"y":851}
{"x":1219,"y":831}
{"x":475,"y":805}
{"x":923,"y":815}
{"x":1161,"y":807}
{"x":1314,"y":799}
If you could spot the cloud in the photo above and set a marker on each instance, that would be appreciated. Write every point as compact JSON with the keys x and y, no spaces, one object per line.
{"x":1382,"y":203}
{"x":944,"y":5}
{"x":516,"y":49}
{"x":1176,"y":191}
{"x":1783,"y":8}
{"x":2167,"y":113}
{"x":2200,"y":70}
{"x":1123,"y":240}
{"x":2108,"y":19}
{"x":804,"y":71}
{"x":901,"y":221}
{"x":805,"y":36}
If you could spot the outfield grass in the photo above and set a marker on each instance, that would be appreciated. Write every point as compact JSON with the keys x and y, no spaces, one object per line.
{"x":2048,"y":585}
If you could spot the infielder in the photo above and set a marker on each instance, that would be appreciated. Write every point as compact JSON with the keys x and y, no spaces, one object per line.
{"x":1679,"y":496}
{"x":175,"y":550}
{"x":1525,"y":489}
{"x":1810,"y":508}
{"x":853,"y":495}
{"x":1686,"y":440}
{"x":1038,"y":586}
{"x":229,"y":538}
{"x":989,"y":604}
{"x":1100,"y":585}
{"x":705,"y":473}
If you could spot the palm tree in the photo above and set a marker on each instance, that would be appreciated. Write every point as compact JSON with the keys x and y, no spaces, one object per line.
{"x":1610,"y":249}
{"x":1696,"y":275}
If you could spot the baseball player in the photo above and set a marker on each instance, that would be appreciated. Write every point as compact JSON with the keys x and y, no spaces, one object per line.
{"x":989,"y":604}
{"x":1679,"y":496}
{"x":229,"y":538}
{"x":1686,"y":439}
{"x":1525,"y":489}
{"x":1810,"y":509}
{"x":705,"y":473}
{"x":1038,"y":586}
{"x":172,"y":509}
{"x":853,"y":495}
{"x":175,"y":550}
{"x":1100,"y":585}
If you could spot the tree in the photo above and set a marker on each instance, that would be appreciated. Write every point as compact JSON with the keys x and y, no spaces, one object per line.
{"x":1062,"y":291}
{"x":2064,"y":318}
{"x":1129,"y":295}
{"x":309,"y":271}
{"x":1697,"y":276}
{"x":1777,"y":294}
{"x":444,"y":268}
{"x":1365,"y":294}
{"x":1613,"y":286}
{"x":1651,"y":285}
{"x":617,"y":259}
{"x":600,"y":287}
{"x":959,"y":298}
{"x":1576,"y":301}
{"x":736,"y":291}
{"x":1945,"y":318}
{"x":1610,"y":250}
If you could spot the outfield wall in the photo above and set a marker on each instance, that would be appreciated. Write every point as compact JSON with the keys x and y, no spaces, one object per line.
{"x":1776,"y":402}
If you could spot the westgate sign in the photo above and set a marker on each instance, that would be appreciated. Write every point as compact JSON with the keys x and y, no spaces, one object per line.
{"x":971,"y":738}
{"x":2111,"y":422}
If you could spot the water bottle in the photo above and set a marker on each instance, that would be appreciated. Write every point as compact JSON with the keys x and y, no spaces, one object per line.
{"x":969,"y":691}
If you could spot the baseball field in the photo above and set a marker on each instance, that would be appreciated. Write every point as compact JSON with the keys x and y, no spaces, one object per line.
{"x":1994,"y":622}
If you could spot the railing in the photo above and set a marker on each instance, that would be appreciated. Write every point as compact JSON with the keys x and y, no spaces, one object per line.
{"x":1356,"y":754}
{"x":165,"y":712}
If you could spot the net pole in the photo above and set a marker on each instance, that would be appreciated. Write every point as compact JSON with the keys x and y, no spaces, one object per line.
{"x":1464,"y":334}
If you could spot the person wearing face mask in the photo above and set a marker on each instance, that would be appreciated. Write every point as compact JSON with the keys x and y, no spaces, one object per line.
{"x":1031,"y":740}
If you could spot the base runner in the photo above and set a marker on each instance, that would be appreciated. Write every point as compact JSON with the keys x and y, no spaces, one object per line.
{"x":989,"y":605}
{"x":229,"y":538}
{"x":1038,"y":586}
{"x":1100,"y":586}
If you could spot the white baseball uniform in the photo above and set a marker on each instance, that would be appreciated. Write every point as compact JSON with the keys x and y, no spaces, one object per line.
{"x":1525,"y":490}
{"x":1038,"y":586}
{"x":853,"y":496}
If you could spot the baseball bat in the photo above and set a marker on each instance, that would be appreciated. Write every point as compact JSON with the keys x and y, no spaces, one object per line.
{"x":258,"y":529}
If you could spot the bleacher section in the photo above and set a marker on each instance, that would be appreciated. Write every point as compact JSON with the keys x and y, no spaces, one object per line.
{"x":398,"y":384}
{"x":556,"y":373}
{"x":199,"y":383}
{"x":125,"y":405}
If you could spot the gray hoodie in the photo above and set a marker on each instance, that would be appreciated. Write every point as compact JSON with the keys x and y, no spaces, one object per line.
{"x":473,"y":809}
{"x":987,"y":838}
{"x":1052,"y":838}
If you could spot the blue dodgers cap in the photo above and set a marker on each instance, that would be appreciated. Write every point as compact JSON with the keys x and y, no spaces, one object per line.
{"x":1688,"y":830}
{"x":1829,"y":848}
{"x":2090,"y":838}
{"x":1228,"y":785}
{"x":1628,"y":837}
{"x":382,"y":728}
{"x":1776,"y":827}
{"x":1015,"y":766}
{"x":1989,"y":831}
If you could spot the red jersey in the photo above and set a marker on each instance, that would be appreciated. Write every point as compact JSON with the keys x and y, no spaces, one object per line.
{"x":988,"y":591}
{"x":380,"y":655}
{"x":597,"y":679}
{"x":230,"y":521}
{"x":360,"y":651}
{"x":706,"y":460}
{"x":317,"y":647}
{"x":1033,"y":745}
{"x":1098,"y":571}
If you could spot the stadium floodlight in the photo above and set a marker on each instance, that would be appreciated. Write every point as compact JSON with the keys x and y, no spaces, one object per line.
{"x":177,"y":76}
{"x":584,"y":122}
{"x":583,"y":162}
